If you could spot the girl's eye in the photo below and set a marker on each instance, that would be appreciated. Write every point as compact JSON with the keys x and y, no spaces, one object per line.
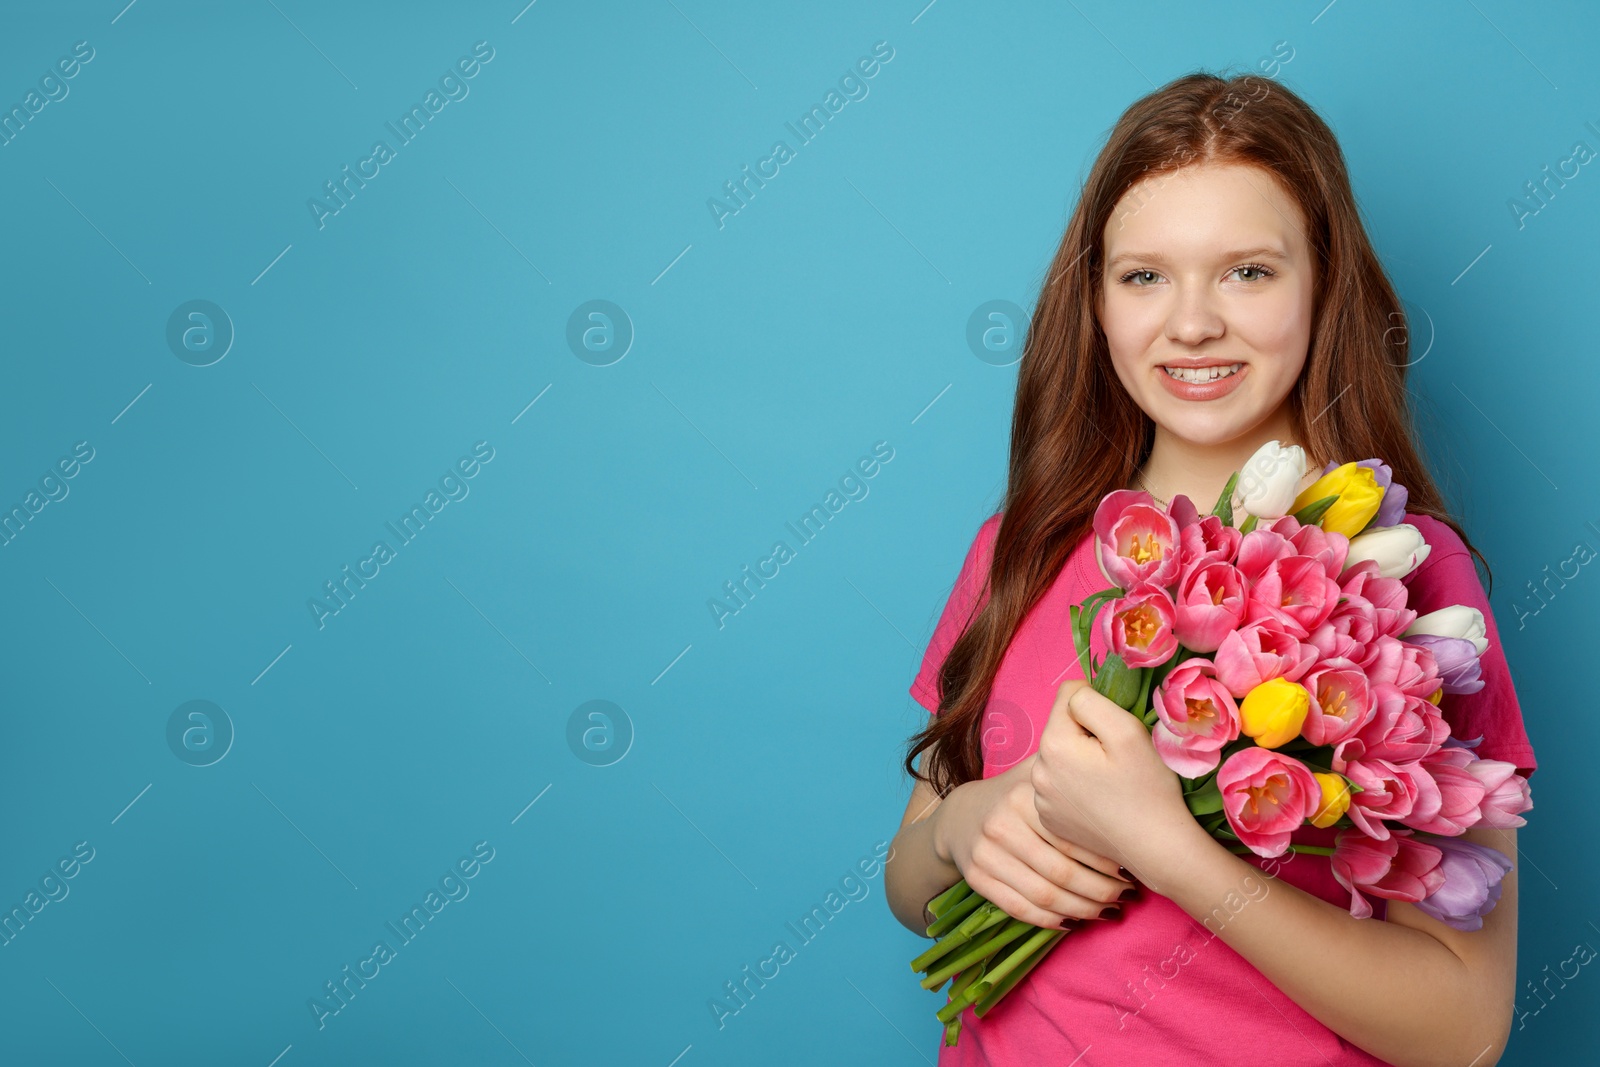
{"x":1145,"y":277}
{"x":1261,"y":271}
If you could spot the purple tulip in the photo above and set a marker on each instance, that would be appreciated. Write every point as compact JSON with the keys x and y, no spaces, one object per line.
{"x":1457,"y":658}
{"x":1471,"y":888}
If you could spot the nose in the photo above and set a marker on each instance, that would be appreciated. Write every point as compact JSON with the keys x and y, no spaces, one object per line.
{"x":1193,"y":319}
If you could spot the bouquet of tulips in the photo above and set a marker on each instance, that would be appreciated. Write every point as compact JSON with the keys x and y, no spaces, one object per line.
{"x":1286,"y":682}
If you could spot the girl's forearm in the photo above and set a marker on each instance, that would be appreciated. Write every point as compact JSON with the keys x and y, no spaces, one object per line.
{"x":915,"y":873}
{"x":1393,"y":990}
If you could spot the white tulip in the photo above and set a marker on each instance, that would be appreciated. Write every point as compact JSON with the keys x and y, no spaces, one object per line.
{"x":1458,"y":620}
{"x":1398,"y":550}
{"x":1269,"y":482}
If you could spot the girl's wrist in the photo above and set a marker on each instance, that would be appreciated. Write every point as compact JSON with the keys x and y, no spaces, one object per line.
{"x":938,"y":825}
{"x":1166,"y":861}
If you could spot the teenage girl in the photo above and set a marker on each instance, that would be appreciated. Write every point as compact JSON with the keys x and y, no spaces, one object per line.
{"x":1216,"y":230}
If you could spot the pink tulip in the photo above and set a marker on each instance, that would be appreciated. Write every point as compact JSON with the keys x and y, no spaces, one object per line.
{"x":1285,"y":525}
{"x":1328,"y":546}
{"x":1295,"y":591}
{"x":1266,"y":796}
{"x":1401,"y":728}
{"x":1365,"y":584}
{"x":1210,"y":605}
{"x":1341,"y":701}
{"x":1138,"y":626}
{"x":1207,"y":540}
{"x":1505,"y":793}
{"x":1388,"y":791}
{"x":1259,"y":549}
{"x":1347,"y":633}
{"x":1259,"y":652}
{"x":1461,"y":793}
{"x":1396,"y":868}
{"x":1196,"y":716}
{"x":1135,"y":541}
{"x":1409,"y":667}
{"x":1184,"y":513}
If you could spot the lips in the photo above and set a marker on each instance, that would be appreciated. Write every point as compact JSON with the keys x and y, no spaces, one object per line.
{"x":1211,"y":390}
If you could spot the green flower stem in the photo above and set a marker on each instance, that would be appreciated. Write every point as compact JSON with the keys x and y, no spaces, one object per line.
{"x":949,"y":898}
{"x":961,"y":999}
{"x":992,"y":997}
{"x":958,"y":992}
{"x":952,"y":1031}
{"x":985,"y":916}
{"x":954,"y":914}
{"x":1007,"y":933}
{"x":937,"y":950}
{"x":996,"y":975}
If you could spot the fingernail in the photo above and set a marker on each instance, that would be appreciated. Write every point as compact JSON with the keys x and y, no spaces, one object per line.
{"x":1131,"y":893}
{"x":1110,"y":912}
{"x":1069,"y":923}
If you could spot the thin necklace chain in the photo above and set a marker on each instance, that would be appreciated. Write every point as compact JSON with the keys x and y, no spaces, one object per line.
{"x":1159,"y":500}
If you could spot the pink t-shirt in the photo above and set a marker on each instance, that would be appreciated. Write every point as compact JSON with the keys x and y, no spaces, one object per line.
{"x":1158,"y":987}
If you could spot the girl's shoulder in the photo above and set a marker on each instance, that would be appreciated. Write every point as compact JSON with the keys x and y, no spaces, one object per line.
{"x":1441,"y":537}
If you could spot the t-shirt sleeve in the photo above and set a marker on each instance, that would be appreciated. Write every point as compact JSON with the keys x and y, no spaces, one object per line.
{"x":1448,"y":576}
{"x":958,"y":611}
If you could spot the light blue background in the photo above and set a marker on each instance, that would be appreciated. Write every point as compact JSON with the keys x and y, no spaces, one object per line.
{"x":769,"y":356}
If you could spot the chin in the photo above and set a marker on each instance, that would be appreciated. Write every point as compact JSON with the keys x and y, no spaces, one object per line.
{"x":1205,"y":430}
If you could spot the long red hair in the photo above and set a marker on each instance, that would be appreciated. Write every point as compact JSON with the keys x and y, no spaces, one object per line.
{"x":1076,"y":434}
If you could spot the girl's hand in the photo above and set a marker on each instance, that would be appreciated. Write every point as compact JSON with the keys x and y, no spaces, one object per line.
{"x":1098,"y":780}
{"x":991,"y":830}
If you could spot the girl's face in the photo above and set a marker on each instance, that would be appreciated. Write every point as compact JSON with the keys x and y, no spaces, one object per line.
{"x":1208,"y":264}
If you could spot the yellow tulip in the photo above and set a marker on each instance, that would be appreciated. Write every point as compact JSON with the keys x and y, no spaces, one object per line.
{"x":1359,"y":498}
{"x":1335,"y":798}
{"x":1273,"y":712}
{"x":1435,"y":696}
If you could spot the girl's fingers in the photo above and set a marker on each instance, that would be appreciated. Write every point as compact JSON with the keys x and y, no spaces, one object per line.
{"x":1103,"y":864}
{"x":1075,"y":876}
{"x":1024,"y":893}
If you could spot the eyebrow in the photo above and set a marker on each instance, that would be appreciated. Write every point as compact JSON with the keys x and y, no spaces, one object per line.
{"x":1263,"y":252}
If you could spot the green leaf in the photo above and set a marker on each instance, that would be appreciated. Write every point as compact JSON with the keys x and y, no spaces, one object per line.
{"x":1205,"y":801}
{"x":1312,"y":513}
{"x":1224,"y":506}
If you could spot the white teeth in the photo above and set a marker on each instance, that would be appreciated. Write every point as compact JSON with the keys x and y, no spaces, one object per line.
{"x":1202,"y":374}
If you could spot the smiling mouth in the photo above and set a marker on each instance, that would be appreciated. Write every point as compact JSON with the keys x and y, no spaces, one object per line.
{"x":1202,"y":375}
